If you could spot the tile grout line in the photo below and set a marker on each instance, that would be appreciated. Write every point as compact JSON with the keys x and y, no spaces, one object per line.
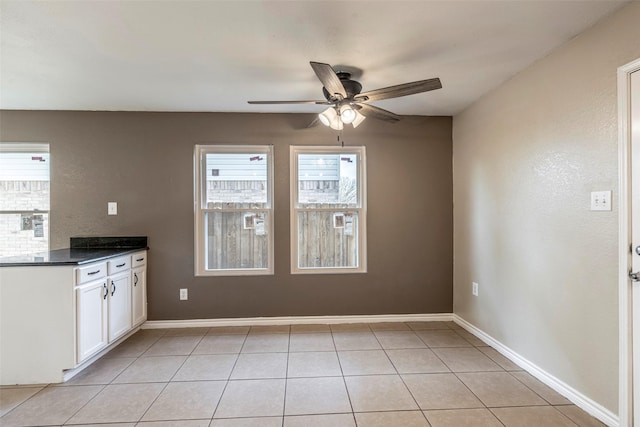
{"x":172,"y":376}
{"x":451,"y":371}
{"x":51,"y":386}
{"x":532,"y":390}
{"x":137,"y":357}
{"x":475,"y":395}
{"x":400,"y":376}
{"x":496,"y":417}
{"x":344,"y":380}
{"x":534,"y":406}
{"x":26,"y":400}
{"x":104,"y":386}
{"x":286,"y":377}
{"x":226,"y":384}
{"x":491,"y":409}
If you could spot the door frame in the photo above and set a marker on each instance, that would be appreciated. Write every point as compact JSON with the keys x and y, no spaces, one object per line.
{"x":624,"y":210}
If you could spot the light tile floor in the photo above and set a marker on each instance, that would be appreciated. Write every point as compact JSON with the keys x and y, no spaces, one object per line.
{"x":383,"y":374}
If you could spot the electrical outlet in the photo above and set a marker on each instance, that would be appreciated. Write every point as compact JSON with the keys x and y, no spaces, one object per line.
{"x":474,"y":288}
{"x":184,"y":294}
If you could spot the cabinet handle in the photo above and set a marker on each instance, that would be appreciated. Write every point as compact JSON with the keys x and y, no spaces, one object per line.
{"x":121,"y":265}
{"x":135,"y":279}
{"x":91,"y":273}
{"x":113,"y":288}
{"x":106,"y":291}
{"x":140,"y":259}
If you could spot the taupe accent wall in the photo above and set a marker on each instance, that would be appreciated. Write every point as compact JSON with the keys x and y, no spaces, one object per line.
{"x":144,"y":161}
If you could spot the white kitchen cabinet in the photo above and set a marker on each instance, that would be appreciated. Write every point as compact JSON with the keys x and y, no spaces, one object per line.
{"x":119,"y":299}
{"x":102,"y":315}
{"x":119,"y":305}
{"x":138,"y":288}
{"x":91,"y":320}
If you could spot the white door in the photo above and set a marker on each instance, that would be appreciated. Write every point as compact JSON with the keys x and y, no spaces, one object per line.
{"x":635,"y":239}
{"x":119,"y":305}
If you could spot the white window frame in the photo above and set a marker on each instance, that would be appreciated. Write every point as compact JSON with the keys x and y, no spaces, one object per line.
{"x":361,"y":208}
{"x":200,"y":210}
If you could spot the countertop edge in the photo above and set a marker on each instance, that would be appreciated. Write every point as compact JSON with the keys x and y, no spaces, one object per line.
{"x":121,"y":251}
{"x":91,"y":258}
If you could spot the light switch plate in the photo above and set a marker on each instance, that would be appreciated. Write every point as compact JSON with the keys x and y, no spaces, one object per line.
{"x":601,"y":200}
{"x":112,"y":208}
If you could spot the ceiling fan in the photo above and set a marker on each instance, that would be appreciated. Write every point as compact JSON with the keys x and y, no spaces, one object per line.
{"x":348,"y":105}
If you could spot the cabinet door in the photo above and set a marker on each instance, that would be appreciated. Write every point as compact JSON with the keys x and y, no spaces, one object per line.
{"x":91,"y":324}
{"x":119,"y":305}
{"x":139,"y":295}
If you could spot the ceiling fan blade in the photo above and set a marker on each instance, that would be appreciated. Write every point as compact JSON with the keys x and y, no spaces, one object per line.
{"x":329,"y":79}
{"x":377,"y":113}
{"x":315,"y":122}
{"x":291,"y":102}
{"x":400,"y":90}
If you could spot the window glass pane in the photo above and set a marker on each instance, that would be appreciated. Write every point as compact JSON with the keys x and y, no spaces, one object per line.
{"x":236,"y":181}
{"x":327,"y":180}
{"x":24,"y":199}
{"x":22,"y":234}
{"x":24,"y":181}
{"x":327,"y":239}
{"x":237,"y":240}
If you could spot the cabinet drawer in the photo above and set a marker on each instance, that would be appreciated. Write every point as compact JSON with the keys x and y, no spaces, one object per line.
{"x":119,"y":264}
{"x":138,"y":259}
{"x":90,"y":272}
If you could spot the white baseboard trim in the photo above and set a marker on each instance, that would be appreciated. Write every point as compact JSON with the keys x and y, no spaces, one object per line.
{"x":588,"y":405}
{"x":296,"y":320}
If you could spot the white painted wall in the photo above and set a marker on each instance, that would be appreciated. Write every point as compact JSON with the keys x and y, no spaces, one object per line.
{"x":526,"y":157}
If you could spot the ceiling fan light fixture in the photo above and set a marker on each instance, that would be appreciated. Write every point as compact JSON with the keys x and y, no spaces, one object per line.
{"x":336,"y":124}
{"x":328,"y":116}
{"x":347,"y":114}
{"x":358,"y":119}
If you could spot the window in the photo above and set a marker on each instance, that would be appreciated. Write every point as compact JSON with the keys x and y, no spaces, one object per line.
{"x":328,"y":210}
{"x":24,"y":198}
{"x":234,"y":214}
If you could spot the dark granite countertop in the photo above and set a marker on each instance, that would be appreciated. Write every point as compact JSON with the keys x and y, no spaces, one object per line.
{"x":83,"y":251}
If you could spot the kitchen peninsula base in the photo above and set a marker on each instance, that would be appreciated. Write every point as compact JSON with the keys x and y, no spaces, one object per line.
{"x":58,"y":318}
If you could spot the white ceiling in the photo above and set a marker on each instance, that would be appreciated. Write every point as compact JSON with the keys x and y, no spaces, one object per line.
{"x":216,"y":55}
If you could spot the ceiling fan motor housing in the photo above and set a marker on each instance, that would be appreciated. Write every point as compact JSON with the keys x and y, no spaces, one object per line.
{"x":352,"y":87}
